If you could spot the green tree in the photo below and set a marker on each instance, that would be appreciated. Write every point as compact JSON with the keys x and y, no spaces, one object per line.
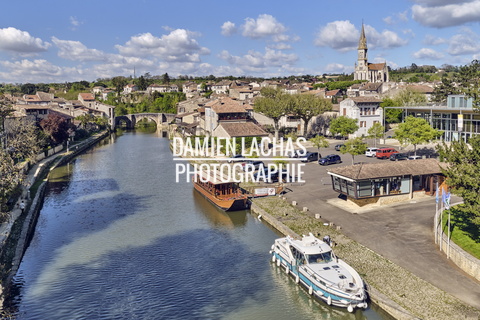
{"x":468,"y":78}
{"x":119,"y":83}
{"x":28,"y":88}
{"x":307,"y":106}
{"x":391,"y":115}
{"x":165,"y":78}
{"x":376,"y":132}
{"x":354,"y":147}
{"x":415,"y":131}
{"x":343,"y":126}
{"x":319,"y":142}
{"x":273,"y":104}
{"x":142,"y":83}
{"x":463,"y":173}
{"x":409,"y":97}
{"x":444,"y":89}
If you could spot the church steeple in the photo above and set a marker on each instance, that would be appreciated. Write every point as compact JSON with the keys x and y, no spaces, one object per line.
{"x":362,"y":43}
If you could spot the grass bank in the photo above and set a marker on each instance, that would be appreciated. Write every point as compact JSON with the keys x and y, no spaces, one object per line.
{"x":418,"y":297}
{"x":463,"y":232}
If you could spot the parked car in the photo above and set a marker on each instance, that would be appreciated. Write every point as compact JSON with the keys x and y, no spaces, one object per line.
{"x":330,"y":159}
{"x":255,"y":164}
{"x":414,"y":157}
{"x":236,"y":158}
{"x":371,"y":152}
{"x":398,"y":156}
{"x":385,"y":153}
{"x":309,"y":157}
{"x":297,"y":153}
{"x":338,"y":147}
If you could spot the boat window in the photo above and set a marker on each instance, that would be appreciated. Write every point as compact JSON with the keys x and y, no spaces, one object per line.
{"x":320,"y":257}
{"x":342,"y":276}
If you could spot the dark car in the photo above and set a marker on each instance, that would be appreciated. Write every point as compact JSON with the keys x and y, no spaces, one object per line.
{"x":338,"y":147}
{"x":255,"y":164}
{"x":398,"y":156}
{"x":310,"y":156}
{"x":330,"y":159}
{"x":236,"y":158}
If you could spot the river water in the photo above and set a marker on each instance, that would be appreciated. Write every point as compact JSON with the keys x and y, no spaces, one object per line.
{"x":117,"y":238}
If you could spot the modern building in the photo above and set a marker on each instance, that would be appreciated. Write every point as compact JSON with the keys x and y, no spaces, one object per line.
{"x":389,"y":178}
{"x":458,"y":118}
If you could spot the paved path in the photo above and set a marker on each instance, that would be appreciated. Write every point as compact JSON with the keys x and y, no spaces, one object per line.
{"x":401,"y":232}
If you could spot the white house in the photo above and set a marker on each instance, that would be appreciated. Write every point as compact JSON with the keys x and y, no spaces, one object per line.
{"x":366,"y":110}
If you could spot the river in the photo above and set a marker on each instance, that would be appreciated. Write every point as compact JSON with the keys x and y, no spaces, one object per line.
{"x":117,"y":238}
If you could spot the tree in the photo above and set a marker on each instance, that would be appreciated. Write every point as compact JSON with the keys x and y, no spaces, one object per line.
{"x":391,"y":115}
{"x":142,"y":83}
{"x":28,"y":88}
{"x":273,"y":104}
{"x":307,"y":106}
{"x":9,"y":175}
{"x":468,"y":79}
{"x":463,"y":173}
{"x":319,"y":142}
{"x":23,"y":139}
{"x":343,"y":125}
{"x":415,"y":131}
{"x":446,"y":88}
{"x":165,"y":78}
{"x":56,"y":127}
{"x":355,"y":147}
{"x":119,"y":83}
{"x":409,"y":97}
{"x":376,"y":132}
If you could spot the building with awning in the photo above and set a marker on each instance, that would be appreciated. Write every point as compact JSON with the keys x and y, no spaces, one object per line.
{"x":388,"y":178}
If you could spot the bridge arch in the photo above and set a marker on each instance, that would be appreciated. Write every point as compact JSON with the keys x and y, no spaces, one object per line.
{"x":132,"y":119}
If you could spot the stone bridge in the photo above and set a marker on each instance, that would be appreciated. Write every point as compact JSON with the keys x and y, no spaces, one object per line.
{"x":131,"y":119}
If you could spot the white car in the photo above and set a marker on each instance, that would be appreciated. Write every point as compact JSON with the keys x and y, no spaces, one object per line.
{"x":414,"y":157}
{"x":371,"y":152}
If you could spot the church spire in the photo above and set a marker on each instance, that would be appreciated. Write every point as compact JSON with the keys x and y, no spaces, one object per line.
{"x":362,"y":43}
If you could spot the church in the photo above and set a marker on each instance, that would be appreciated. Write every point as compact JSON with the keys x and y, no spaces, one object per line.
{"x":371,"y":72}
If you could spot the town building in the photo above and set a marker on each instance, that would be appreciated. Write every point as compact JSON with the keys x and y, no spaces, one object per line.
{"x":364,"y":70}
{"x":366,"y":110}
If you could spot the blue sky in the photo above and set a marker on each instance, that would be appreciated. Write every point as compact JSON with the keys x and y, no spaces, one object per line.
{"x":57,"y":41}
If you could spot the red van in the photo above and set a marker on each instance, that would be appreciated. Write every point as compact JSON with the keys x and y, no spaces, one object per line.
{"x":385,"y":153}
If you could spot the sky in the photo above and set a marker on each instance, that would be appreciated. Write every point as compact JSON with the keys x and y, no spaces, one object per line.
{"x":43,"y":41}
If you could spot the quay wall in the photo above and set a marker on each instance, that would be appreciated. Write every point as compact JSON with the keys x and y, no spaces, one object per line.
{"x":460,"y":257}
{"x":33,"y":209}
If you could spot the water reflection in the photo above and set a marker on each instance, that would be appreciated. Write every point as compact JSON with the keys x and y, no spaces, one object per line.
{"x":216,"y":216}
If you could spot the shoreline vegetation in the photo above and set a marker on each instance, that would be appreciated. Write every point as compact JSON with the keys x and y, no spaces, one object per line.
{"x":394,"y":289}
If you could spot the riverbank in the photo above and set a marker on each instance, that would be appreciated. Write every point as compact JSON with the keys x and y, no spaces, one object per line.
{"x":392,"y":288}
{"x":17,"y":232}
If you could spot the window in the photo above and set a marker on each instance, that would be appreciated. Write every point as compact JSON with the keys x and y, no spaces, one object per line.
{"x":363,"y":124}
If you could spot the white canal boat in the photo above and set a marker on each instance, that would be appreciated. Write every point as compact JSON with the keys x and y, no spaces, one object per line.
{"x":312,"y":263}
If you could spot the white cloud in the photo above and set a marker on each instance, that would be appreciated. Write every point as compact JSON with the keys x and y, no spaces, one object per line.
{"x":399,"y":17}
{"x":433,"y":41}
{"x":229,"y":28}
{"x":387,"y":39}
{"x":343,"y":36}
{"x":75,"y":50}
{"x":21,"y":42}
{"x":467,"y":42}
{"x":338,"y":35}
{"x":177,"y":46}
{"x":36,"y":71}
{"x":254,"y":60}
{"x":441,"y":14}
{"x":265,"y":26}
{"x":338,"y":68}
{"x":427,"y":53}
